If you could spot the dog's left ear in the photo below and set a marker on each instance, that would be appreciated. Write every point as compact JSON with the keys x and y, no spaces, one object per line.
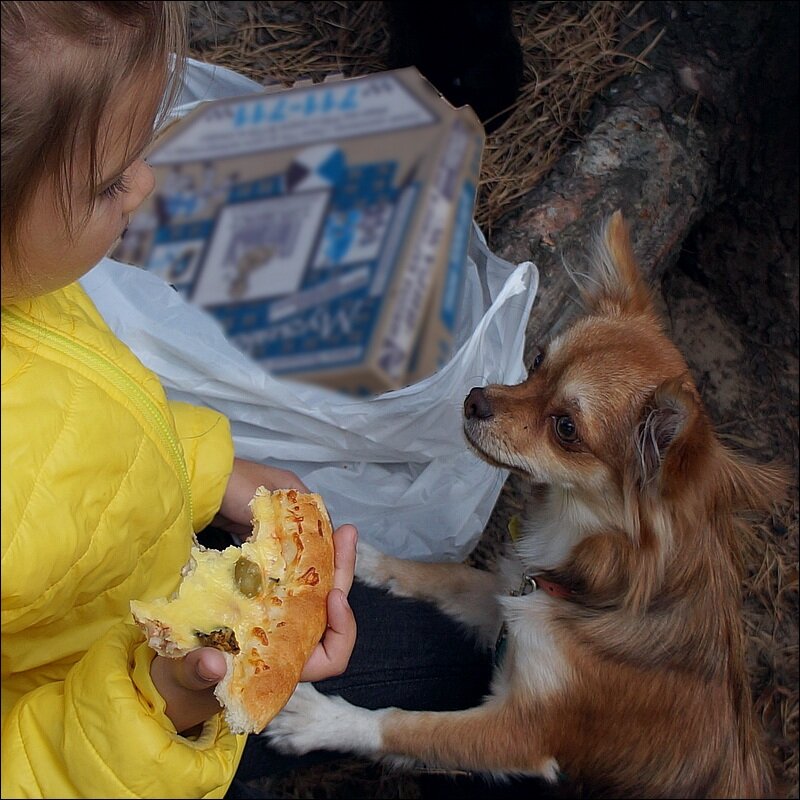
{"x":671,"y":431}
{"x":665,"y":446}
{"x":617,"y":286}
{"x":675,"y":448}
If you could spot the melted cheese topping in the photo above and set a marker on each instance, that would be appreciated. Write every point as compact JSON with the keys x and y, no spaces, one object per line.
{"x":209,"y":599}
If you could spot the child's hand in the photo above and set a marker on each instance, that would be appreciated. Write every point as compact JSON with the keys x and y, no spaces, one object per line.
{"x":246,"y":477}
{"x":187,"y":685}
{"x":331,"y":655}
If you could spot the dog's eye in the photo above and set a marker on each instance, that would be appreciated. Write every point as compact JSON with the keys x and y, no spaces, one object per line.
{"x":537,"y":362}
{"x":566,"y":430}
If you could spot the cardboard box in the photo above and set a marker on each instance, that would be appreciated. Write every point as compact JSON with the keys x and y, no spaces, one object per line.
{"x":322,"y":225}
{"x":435,"y":342}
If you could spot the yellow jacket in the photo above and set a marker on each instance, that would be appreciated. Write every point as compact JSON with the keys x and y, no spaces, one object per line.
{"x":103,"y":483}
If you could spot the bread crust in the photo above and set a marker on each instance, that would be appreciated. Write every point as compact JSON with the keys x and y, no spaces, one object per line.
{"x":271,"y":640}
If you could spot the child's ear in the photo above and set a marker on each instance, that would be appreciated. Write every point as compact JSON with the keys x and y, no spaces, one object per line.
{"x":617,"y":285}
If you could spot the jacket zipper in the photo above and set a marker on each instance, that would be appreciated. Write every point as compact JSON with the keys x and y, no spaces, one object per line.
{"x":118,"y":379}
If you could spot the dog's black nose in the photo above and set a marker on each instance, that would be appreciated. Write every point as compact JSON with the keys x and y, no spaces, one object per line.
{"x":477,"y":405}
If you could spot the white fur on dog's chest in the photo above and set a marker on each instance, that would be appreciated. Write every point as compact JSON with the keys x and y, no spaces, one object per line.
{"x":552,"y":527}
{"x":532,"y":660}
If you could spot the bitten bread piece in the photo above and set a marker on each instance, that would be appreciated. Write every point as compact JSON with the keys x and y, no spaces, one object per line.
{"x":263,"y":604}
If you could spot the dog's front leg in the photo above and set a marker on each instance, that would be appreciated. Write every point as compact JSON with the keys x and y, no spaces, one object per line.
{"x":464,"y":593}
{"x":490,"y":738}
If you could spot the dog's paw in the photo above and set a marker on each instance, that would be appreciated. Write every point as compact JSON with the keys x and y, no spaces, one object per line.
{"x":371,"y":566}
{"x":314,"y":721}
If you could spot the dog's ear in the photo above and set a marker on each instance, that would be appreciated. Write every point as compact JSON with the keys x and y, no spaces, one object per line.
{"x":616,"y":286}
{"x":666,"y":451}
{"x":676,"y":449}
{"x":668,"y":435}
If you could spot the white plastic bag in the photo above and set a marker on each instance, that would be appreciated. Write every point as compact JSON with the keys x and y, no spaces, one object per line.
{"x":396,"y":465}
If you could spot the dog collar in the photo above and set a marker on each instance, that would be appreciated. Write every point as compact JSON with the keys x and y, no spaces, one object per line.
{"x":530,"y":583}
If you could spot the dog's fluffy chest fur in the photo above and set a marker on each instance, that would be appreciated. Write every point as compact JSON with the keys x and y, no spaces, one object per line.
{"x":554,"y":521}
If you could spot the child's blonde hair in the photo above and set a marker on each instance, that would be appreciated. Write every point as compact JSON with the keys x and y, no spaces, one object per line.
{"x":53,"y":106}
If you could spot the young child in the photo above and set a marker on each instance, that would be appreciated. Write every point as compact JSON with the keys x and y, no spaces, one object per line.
{"x":104,"y":480}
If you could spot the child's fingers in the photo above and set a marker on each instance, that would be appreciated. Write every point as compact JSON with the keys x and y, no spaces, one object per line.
{"x":332,"y":654}
{"x":344,"y":548}
{"x":200,"y":669}
{"x":186,"y":685}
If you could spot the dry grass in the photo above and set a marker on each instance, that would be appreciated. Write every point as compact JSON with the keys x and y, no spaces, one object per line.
{"x":283,"y":42}
{"x":572,"y":51}
{"x":771,"y":628}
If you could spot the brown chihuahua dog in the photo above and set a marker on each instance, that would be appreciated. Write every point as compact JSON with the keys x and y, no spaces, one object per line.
{"x":619,"y":608}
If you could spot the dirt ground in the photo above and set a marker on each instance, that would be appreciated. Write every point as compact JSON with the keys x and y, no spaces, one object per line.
{"x":732,"y":300}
